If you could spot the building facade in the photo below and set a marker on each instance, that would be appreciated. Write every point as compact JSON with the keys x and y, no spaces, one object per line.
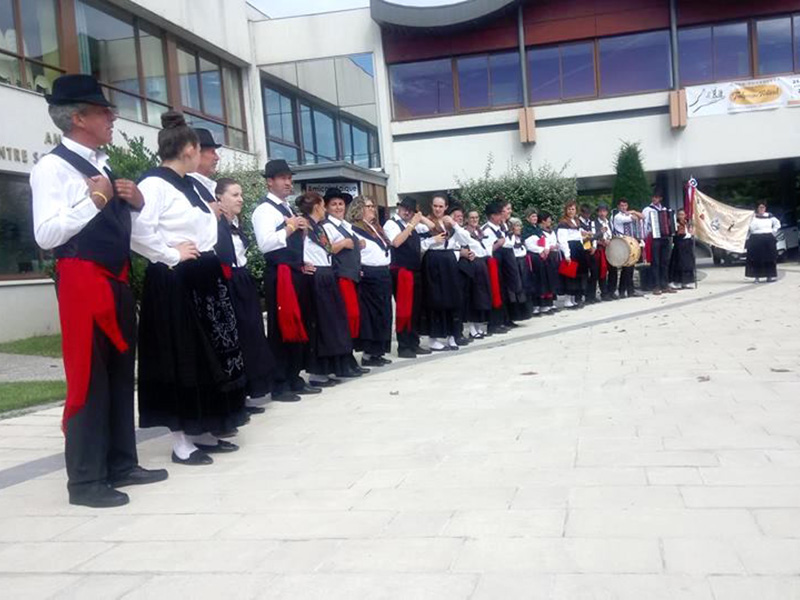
{"x":393,"y":100}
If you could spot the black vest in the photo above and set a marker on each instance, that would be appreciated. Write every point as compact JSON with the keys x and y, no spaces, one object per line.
{"x":106,"y":239}
{"x":224,"y":246}
{"x":409,"y":254}
{"x":347,"y":262}
{"x":292,"y":254}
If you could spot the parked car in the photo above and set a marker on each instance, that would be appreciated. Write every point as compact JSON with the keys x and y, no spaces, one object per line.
{"x":788,"y":241}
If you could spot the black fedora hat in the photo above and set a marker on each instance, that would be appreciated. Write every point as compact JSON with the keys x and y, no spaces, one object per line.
{"x":277,"y":166}
{"x":72,"y":89}
{"x":331,"y":193}
{"x":206,"y":138}
{"x":408,"y":203}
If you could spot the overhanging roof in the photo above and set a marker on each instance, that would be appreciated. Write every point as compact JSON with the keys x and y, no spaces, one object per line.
{"x":454,"y":16}
{"x":338,"y":171}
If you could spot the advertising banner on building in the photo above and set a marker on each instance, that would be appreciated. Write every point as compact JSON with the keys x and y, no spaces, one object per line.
{"x":720,"y":225}
{"x":743,"y":96}
{"x":350,"y":187}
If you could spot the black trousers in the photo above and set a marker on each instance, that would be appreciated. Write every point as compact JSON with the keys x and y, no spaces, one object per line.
{"x":659,"y":264}
{"x":593,"y":278}
{"x":100,"y":440}
{"x":289,"y":356}
{"x":625,"y":277}
{"x":410,"y":339}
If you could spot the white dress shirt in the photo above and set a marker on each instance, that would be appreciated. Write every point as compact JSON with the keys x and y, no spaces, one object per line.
{"x":168,"y":219}
{"x":459,"y":239}
{"x":372,"y":255}
{"x":315,"y":254}
{"x":331,"y":229}
{"x":767,"y":224}
{"x":565,"y":235}
{"x":620,"y":220}
{"x":207,"y":183}
{"x":494,"y":232}
{"x":238,"y":246}
{"x":478,"y":247}
{"x":395,"y":226}
{"x":268,"y":225}
{"x":61,"y":203}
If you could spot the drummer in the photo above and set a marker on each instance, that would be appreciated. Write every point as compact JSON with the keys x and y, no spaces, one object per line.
{"x":622,"y":224}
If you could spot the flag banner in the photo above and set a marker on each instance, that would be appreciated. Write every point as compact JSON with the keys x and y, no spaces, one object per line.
{"x":720,"y":225}
{"x":743,"y":96}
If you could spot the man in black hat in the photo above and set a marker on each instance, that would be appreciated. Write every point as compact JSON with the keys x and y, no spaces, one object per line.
{"x":405,"y":232}
{"x":279,"y":234}
{"x":83,"y":214}
{"x":209,"y":159}
{"x":659,"y":245}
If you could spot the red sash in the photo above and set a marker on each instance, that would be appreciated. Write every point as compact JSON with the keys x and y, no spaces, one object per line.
{"x":85,"y":299}
{"x":602,"y":262}
{"x":494,"y":279}
{"x":648,"y":249}
{"x":404,"y":300}
{"x":348,"y":289}
{"x":290,"y":319}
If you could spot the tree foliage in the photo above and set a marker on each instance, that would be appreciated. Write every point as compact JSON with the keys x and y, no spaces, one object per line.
{"x":545,"y":188}
{"x":631,"y":182}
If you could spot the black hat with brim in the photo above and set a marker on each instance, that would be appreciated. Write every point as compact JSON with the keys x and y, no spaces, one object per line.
{"x":206,"y":138}
{"x":75,"y":89}
{"x":408,"y":203}
{"x":331,"y":193}
{"x":277,"y":166}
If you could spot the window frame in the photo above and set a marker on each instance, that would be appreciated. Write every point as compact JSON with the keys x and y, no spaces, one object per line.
{"x":600,"y":93}
{"x":754,"y":58}
{"x":19,"y":55}
{"x":561,"y":99}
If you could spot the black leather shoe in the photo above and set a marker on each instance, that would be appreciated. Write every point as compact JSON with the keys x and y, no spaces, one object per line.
{"x":226,"y":434}
{"x":255,"y":410}
{"x":222,"y":447}
{"x":361,"y":369}
{"x":462,"y":341}
{"x":406,"y":353}
{"x":325,"y":384}
{"x":421,"y":350}
{"x":308,"y":389}
{"x":98,"y":495}
{"x":348,"y":374}
{"x":138,"y":476}
{"x":374,"y":361}
{"x":286,"y":396}
{"x":198,"y":457}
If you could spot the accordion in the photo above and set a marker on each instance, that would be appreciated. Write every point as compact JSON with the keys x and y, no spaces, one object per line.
{"x":663,"y":223}
{"x":634,"y":229}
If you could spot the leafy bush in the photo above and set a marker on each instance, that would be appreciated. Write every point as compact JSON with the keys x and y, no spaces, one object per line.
{"x":546,"y":188}
{"x":631,"y":182}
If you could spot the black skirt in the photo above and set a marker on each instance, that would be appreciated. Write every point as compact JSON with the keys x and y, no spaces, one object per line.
{"x":480,"y":298}
{"x":681,"y":262}
{"x":375,"y":305}
{"x":570,"y":285}
{"x":258,"y":360}
{"x":442,"y":291}
{"x":510,"y":275}
{"x":537,"y":275}
{"x":762,"y":256}
{"x":191,"y":370}
{"x":325,"y":320}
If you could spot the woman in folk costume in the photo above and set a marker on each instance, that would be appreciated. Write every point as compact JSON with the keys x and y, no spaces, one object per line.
{"x":191,"y":371}
{"x":330,"y":345}
{"x":466,"y":269}
{"x":496,"y":245}
{"x":682,"y":263}
{"x":346,"y":247}
{"x":761,"y":245}
{"x":520,"y":305}
{"x":375,"y":290}
{"x":481,"y":296}
{"x":533,"y":239}
{"x":231,"y":249}
{"x":82,"y":212}
{"x":551,"y":257}
{"x":573,"y":267}
{"x":441,"y":277}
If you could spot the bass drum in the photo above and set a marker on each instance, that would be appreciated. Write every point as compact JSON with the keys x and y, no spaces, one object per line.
{"x":623,"y":251}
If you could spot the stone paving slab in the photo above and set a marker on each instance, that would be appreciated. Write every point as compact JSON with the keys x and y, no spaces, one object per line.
{"x":636,"y":450}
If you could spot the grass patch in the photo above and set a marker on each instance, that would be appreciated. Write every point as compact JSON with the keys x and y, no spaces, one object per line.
{"x":41,"y":345}
{"x":22,"y":394}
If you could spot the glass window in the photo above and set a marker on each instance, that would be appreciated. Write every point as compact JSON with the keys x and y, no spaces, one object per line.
{"x":544,"y":74}
{"x":187,"y":75}
{"x":215,"y":128}
{"x":695,"y":52}
{"x":155,"y":80}
{"x":324,"y":135}
{"x":731,"y":51}
{"x":360,"y":147}
{"x":288,"y":153}
{"x":211,"y":84}
{"x":473,"y":82}
{"x":307,"y":128}
{"x":422,"y":88}
{"x":37,"y":42}
{"x":233,"y":96}
{"x":577,"y":70}
{"x":19,"y":253}
{"x":506,"y":78}
{"x":280,"y":118}
{"x":347,"y":141}
{"x":635,"y":63}
{"x":775,"y":53}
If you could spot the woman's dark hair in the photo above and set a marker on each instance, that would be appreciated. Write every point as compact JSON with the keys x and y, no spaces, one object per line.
{"x":174,"y":135}
{"x":761,"y":203}
{"x":494,"y":208}
{"x":223,"y":184}
{"x":544,"y":215}
{"x":307,"y":201}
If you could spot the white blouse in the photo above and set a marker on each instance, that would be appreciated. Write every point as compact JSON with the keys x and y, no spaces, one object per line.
{"x":478,"y":247}
{"x":766,"y":224}
{"x":565,"y":235}
{"x":168,"y":219}
{"x":372,"y":255}
{"x":315,"y":254}
{"x":238,"y":246}
{"x":332,"y":229}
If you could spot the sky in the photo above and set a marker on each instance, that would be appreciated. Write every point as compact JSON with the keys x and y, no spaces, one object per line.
{"x":289,"y":8}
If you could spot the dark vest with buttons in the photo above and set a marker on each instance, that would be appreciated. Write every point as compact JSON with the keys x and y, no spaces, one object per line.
{"x":292,"y":254}
{"x":409,"y":254}
{"x":106,"y":239}
{"x":347,"y":262}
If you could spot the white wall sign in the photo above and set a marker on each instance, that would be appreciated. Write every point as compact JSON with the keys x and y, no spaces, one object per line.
{"x":743,"y":96}
{"x":350,"y":187}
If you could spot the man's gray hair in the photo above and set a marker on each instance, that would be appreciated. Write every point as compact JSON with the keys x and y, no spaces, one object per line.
{"x":62,"y":114}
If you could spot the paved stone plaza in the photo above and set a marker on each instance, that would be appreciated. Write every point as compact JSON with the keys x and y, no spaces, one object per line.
{"x":645,"y":449}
